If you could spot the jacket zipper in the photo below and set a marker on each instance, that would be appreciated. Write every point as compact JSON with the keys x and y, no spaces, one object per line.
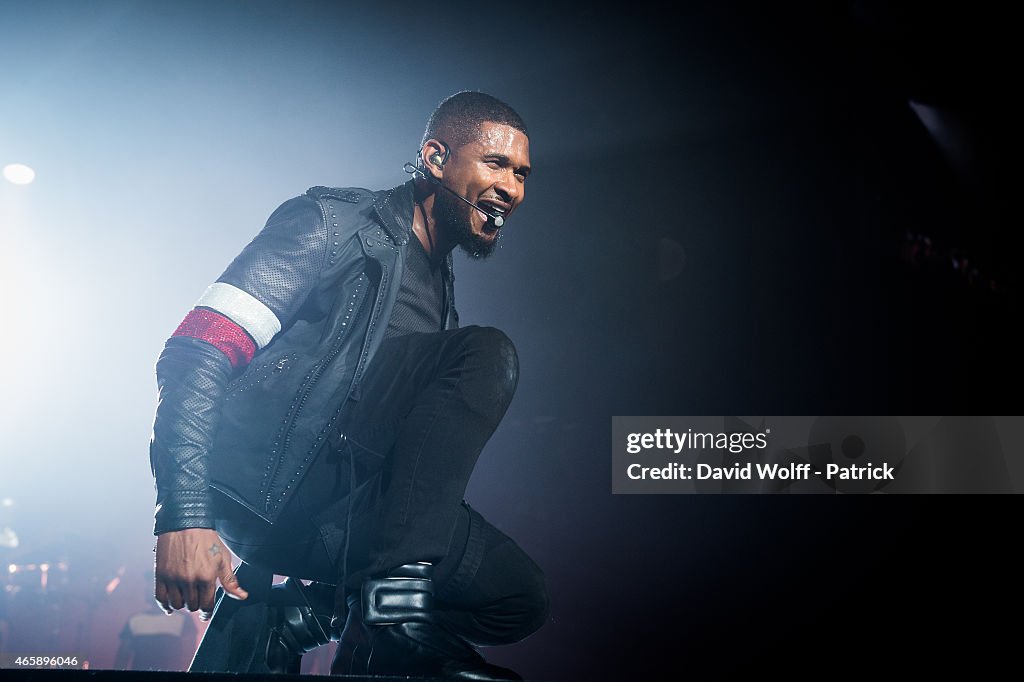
{"x":369,"y":333}
{"x":317,"y":373}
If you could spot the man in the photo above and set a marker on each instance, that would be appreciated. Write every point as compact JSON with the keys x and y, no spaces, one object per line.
{"x":320,"y":415}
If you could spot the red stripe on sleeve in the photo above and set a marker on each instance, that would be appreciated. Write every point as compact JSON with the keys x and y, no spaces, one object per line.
{"x":219,"y":332}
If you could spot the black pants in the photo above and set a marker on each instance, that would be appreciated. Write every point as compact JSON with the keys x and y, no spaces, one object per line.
{"x":389,"y":488}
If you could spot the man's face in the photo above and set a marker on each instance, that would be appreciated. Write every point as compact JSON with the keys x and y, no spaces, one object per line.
{"x":491,"y":172}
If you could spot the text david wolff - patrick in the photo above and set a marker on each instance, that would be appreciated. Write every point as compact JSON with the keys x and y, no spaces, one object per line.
{"x":737,"y":471}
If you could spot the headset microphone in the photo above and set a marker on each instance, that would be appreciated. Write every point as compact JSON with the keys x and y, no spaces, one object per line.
{"x":439,"y":162}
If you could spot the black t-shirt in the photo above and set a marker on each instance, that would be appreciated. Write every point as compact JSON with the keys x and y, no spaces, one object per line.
{"x":420,"y":303}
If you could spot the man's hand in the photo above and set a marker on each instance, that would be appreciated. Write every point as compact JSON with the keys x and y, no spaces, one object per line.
{"x":188,"y":564}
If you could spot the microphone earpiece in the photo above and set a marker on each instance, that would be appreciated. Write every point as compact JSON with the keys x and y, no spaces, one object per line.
{"x":437,"y":160}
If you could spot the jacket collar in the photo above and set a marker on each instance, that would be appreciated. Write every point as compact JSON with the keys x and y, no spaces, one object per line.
{"x":394,"y":208}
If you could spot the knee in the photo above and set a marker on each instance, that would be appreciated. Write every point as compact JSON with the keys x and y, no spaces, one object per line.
{"x":494,"y":355}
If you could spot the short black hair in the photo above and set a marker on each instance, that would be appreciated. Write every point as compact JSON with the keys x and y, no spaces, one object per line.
{"x":456,"y":120}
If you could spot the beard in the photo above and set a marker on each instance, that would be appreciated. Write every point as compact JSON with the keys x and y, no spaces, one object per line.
{"x":455,"y":218}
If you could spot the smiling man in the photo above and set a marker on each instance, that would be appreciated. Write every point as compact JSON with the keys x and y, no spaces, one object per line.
{"x":321,"y":412}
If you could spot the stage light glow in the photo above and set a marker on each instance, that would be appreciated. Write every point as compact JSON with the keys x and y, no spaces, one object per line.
{"x":19,"y":174}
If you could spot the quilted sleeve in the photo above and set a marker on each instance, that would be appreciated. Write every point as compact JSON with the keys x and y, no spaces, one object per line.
{"x":240,"y":313}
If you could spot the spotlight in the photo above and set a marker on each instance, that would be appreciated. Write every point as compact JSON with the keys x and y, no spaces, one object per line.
{"x":19,"y":173}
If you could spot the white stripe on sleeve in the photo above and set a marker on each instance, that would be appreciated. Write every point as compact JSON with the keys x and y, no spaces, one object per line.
{"x":243,"y":309}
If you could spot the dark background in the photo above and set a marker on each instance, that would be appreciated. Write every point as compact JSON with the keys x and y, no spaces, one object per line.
{"x":728,"y":215}
{"x":793,"y":198}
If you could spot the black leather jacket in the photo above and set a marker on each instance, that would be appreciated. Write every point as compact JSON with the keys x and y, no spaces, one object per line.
{"x":328,"y":266}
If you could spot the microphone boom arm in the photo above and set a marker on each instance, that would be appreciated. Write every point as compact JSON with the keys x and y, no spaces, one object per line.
{"x":413,"y":170}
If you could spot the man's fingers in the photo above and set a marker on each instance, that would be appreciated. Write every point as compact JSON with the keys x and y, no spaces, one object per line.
{"x":230,"y":582}
{"x":207,"y":598}
{"x":191,"y":594}
{"x":160,"y":594}
{"x":174,"y":598}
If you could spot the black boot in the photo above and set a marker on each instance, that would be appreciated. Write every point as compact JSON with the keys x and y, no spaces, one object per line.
{"x":300,"y":622}
{"x":391,"y":630}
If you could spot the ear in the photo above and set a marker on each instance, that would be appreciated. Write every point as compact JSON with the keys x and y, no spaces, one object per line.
{"x":435,"y":154}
